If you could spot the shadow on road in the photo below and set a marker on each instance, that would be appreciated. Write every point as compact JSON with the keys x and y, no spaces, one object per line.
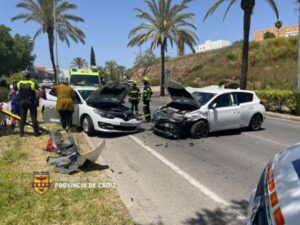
{"x":220,"y":216}
{"x":91,"y":166}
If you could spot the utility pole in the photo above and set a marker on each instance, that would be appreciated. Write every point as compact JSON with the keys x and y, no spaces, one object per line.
{"x":55,"y":40}
{"x":299,"y":47}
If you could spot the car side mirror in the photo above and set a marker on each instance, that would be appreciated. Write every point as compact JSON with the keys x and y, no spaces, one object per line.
{"x":213,"y":106}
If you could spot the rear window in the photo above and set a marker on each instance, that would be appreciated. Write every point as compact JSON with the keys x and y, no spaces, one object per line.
{"x":244,"y":97}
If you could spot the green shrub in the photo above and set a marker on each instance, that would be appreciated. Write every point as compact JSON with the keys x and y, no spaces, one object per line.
{"x":232,"y":56}
{"x":280,"y":100}
{"x":154,"y":82}
{"x":15,"y":77}
{"x":3,"y":94}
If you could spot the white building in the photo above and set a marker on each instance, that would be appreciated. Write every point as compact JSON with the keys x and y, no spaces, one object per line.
{"x":211,"y":45}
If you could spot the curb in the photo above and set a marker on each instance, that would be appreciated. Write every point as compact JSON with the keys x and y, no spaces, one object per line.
{"x":283,"y":116}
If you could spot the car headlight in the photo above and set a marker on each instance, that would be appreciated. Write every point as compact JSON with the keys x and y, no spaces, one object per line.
{"x":109,"y":115}
{"x":99,"y":112}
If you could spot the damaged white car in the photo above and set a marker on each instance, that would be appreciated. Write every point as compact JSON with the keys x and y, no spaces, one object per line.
{"x":199,"y":111}
{"x":97,"y":109}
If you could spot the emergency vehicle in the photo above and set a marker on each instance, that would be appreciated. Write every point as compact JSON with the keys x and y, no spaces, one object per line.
{"x":276,"y":200}
{"x":84,"y":77}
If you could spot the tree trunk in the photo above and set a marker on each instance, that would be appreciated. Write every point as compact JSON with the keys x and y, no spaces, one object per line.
{"x":162,"y":75}
{"x":245,"y":53}
{"x":51,"y":45}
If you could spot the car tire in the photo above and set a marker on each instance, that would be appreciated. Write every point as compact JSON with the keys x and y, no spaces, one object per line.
{"x":256,"y":122}
{"x":87,"y":125}
{"x":200,"y":129}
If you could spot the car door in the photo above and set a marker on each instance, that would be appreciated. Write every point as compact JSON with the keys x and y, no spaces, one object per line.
{"x":50,"y":114}
{"x":224,"y":113}
{"x":245,"y":101}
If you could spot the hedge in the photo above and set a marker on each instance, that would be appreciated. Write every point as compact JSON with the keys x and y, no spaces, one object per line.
{"x":3,"y":94}
{"x":280,"y":100}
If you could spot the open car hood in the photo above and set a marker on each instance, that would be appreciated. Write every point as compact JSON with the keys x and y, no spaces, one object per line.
{"x":178,"y":92}
{"x":111,"y":93}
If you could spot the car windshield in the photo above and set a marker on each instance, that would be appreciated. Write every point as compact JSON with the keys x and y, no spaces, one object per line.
{"x":85,"y":93}
{"x":203,"y":97}
{"x":84,"y":80}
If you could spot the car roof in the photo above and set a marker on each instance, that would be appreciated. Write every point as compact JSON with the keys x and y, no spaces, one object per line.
{"x":84,"y":88}
{"x":286,"y":173}
{"x":215,"y":90}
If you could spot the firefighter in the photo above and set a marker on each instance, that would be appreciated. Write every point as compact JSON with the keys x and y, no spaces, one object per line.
{"x":134,"y":98}
{"x":28,"y":101}
{"x":147,"y":93}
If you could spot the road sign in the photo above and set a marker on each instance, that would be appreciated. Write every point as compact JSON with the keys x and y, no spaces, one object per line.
{"x":168,"y":73}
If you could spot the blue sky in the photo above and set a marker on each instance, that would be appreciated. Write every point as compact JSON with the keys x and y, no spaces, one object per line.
{"x":108,"y":22}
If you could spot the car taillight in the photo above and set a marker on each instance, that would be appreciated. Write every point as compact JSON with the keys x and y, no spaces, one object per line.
{"x":274,"y":199}
{"x":278,"y":217}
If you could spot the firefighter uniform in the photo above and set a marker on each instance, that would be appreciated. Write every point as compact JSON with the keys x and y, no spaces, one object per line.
{"x":134,"y":98}
{"x":147,"y":93}
{"x":28,"y":101}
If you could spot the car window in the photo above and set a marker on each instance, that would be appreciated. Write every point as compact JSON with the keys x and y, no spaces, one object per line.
{"x":224,"y":100}
{"x":203,"y":97}
{"x":53,"y":93}
{"x":85,"y":93}
{"x":244,"y":97}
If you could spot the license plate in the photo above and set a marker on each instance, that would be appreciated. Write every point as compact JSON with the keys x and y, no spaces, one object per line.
{"x":128,"y":125}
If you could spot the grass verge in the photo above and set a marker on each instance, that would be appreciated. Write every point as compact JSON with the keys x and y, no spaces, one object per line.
{"x":20,"y":204}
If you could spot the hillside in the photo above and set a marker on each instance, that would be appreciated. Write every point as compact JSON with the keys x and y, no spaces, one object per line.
{"x":272,"y":64}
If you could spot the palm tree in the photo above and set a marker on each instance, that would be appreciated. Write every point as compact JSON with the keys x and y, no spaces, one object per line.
{"x":52,"y":16}
{"x":160,"y":27}
{"x":278,"y":25}
{"x":111,"y":67}
{"x":185,"y":37}
{"x":247,"y":6}
{"x":79,"y":62}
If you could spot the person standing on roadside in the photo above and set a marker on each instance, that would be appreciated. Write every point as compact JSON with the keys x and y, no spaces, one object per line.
{"x":28,"y":101}
{"x":134,"y":98}
{"x":15,"y":108}
{"x":64,"y":104}
{"x":147,"y":93}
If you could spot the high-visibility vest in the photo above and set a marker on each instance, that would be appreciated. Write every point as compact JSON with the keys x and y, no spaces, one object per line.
{"x":26,"y":90}
{"x":134,"y":93}
{"x":147,"y":93}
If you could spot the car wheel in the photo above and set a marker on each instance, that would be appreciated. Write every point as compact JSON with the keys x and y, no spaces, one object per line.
{"x":200,"y":130}
{"x":256,"y":122}
{"x":87,"y":125}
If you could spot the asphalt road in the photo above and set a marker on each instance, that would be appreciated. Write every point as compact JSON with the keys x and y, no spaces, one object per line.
{"x":188,"y":181}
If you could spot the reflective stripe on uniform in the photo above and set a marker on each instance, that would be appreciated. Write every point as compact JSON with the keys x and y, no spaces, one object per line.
{"x":32,"y":84}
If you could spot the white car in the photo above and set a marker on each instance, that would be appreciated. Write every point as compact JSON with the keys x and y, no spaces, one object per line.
{"x":199,"y":111}
{"x":96,"y":109}
{"x":276,"y":200}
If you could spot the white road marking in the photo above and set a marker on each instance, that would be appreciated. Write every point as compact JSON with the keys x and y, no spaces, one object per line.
{"x":205,"y":190}
{"x":266,"y":139}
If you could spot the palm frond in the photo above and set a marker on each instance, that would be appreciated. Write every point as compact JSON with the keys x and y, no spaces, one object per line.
{"x":274,"y":7}
{"x":213,"y":9}
{"x":229,"y":7}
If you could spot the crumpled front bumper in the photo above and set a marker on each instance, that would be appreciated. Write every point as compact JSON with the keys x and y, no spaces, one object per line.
{"x":167,"y":128}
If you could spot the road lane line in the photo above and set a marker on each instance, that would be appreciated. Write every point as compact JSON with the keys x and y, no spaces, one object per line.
{"x":183,"y":174}
{"x":202,"y":188}
{"x":266,"y":139}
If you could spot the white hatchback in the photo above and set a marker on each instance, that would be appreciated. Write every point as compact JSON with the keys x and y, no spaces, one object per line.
{"x":96,"y":109}
{"x":199,"y":111}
